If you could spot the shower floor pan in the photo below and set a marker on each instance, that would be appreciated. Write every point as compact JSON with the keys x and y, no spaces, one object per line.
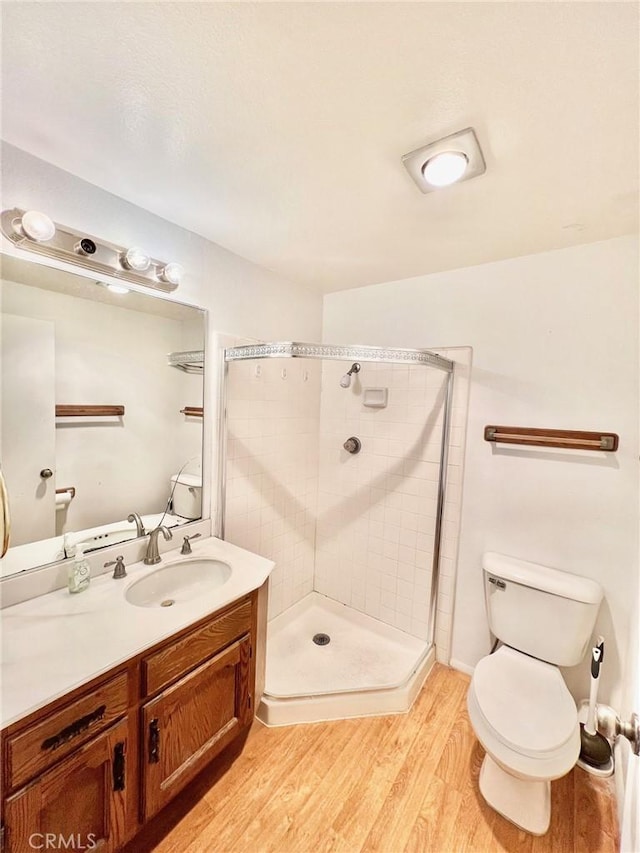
{"x":367,"y":667}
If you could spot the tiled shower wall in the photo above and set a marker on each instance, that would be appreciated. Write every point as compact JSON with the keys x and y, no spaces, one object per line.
{"x":291,"y":486}
{"x":273,"y":409}
{"x":377,"y":509}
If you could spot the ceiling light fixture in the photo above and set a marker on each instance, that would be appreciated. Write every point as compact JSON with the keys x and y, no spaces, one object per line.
{"x":172,"y":273}
{"x":135,"y":259}
{"x":37,"y":226}
{"x":445,"y":169}
{"x":117,"y":288}
{"x":450,"y":160}
{"x":32,"y":231}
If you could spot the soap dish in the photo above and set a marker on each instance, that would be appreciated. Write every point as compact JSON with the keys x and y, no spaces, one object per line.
{"x":375,"y":398}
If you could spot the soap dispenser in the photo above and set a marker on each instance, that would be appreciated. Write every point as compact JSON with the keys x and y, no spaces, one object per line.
{"x":79,"y":571}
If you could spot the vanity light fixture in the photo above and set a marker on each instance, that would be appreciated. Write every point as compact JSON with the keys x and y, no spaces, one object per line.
{"x":37,"y":226}
{"x":172,"y":273}
{"x":450,"y":160}
{"x":135,"y":259}
{"x":33,"y":231}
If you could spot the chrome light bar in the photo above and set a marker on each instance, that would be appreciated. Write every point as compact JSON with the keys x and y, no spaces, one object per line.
{"x":35,"y":232}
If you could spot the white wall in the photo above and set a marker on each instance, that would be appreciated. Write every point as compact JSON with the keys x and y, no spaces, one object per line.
{"x":555,"y":342}
{"x":244,"y":299}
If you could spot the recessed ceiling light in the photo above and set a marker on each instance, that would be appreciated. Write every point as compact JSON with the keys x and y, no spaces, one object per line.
{"x":450,"y":160}
{"x":445,"y":168}
{"x":118,"y":288}
{"x":113,"y":287}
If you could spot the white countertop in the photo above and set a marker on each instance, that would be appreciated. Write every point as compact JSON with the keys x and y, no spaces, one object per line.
{"x":57,"y":642}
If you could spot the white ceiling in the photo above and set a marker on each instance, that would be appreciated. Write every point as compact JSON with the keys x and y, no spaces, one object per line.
{"x":277,"y":129}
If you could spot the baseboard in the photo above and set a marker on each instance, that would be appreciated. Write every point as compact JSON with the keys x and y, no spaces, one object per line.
{"x":461,"y":667}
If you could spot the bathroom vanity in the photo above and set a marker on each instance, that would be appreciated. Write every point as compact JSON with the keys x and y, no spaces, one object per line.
{"x":170,"y":689}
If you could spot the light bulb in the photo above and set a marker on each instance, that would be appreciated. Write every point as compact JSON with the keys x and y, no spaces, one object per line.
{"x":172,"y":273}
{"x":136,"y":259}
{"x":37,"y":226}
{"x":445,"y":168}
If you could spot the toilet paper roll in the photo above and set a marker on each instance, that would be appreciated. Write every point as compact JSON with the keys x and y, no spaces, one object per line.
{"x":63,"y":499}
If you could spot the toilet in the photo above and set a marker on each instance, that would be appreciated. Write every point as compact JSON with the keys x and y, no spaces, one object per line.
{"x":186,"y":492}
{"x":519,"y":705}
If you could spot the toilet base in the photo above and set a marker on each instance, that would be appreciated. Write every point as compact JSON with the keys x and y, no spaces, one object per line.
{"x":524,"y":802}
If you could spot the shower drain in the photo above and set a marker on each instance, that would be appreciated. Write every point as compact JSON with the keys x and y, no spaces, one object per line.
{"x":321,"y":639}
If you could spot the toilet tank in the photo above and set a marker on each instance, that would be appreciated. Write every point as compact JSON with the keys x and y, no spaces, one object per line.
{"x":186,"y":498}
{"x":541,"y":611}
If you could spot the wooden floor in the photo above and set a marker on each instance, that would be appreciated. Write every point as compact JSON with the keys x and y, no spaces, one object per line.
{"x":387,"y":784}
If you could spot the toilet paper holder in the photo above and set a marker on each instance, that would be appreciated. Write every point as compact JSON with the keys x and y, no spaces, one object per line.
{"x":64,"y":497}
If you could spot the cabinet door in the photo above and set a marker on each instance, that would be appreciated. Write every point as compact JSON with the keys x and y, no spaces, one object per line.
{"x":79,"y":804}
{"x":191,"y":722}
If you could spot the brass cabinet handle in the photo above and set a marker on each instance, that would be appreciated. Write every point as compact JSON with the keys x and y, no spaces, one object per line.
{"x":154,"y":742}
{"x":5,"y":516}
{"x":118,"y":767}
{"x":74,"y":729}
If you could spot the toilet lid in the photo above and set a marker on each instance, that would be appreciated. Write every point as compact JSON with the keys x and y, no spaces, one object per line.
{"x":525,"y":701}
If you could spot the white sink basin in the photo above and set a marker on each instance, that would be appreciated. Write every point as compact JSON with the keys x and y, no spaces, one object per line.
{"x":178,"y":582}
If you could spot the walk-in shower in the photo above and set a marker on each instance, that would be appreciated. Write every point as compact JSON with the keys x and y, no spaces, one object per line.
{"x":342,"y":485}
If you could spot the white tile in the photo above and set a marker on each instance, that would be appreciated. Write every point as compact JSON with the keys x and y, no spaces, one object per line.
{"x":371,"y":518}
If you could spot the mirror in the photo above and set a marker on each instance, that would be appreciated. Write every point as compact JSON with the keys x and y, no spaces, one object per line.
{"x":100,"y":418}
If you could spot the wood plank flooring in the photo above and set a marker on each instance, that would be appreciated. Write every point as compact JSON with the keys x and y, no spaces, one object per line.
{"x":385,"y":784}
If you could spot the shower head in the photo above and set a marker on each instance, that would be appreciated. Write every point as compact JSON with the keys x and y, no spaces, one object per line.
{"x":345,"y":382}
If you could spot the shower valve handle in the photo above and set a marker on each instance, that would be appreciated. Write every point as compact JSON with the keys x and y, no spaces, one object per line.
{"x":352,"y":445}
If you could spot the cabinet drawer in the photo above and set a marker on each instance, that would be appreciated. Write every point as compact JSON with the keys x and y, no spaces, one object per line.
{"x":60,"y":733}
{"x":165,"y":666}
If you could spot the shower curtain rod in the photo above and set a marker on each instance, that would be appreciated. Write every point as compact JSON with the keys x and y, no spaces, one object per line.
{"x":295,"y":349}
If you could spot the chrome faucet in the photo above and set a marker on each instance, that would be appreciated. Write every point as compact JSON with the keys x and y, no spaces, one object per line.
{"x":140,"y":531}
{"x":186,"y":545}
{"x":152,"y":556}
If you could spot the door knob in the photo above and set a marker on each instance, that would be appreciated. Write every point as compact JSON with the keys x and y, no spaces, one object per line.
{"x":46,"y":473}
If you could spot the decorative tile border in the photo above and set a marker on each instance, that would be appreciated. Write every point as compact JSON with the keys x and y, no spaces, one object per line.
{"x":293,"y":349}
{"x":191,"y":361}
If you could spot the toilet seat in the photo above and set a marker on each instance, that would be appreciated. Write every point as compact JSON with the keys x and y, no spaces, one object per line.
{"x":525,"y":701}
{"x":524,"y":715}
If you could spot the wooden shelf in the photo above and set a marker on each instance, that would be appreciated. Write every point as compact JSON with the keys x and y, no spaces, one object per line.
{"x":89,"y":411}
{"x":569,"y":439}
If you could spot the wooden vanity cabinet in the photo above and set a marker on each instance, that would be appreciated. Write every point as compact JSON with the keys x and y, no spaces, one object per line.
{"x":191,"y":722}
{"x":95,"y":765}
{"x":81,"y":803}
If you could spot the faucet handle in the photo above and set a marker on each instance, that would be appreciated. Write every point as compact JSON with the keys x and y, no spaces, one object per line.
{"x":186,"y":544}
{"x":120,"y":570}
